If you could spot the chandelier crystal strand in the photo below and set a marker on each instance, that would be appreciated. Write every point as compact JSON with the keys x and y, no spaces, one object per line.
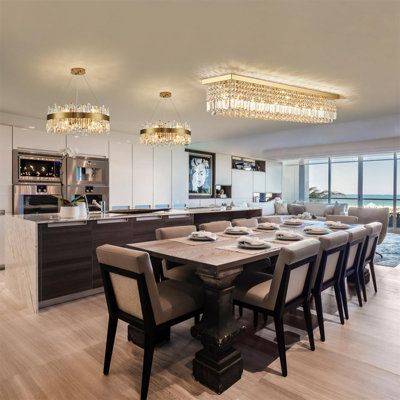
{"x":169,"y":133}
{"x":83,"y":119}
{"x":240,"y":98}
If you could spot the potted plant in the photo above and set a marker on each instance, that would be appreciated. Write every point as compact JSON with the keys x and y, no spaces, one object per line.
{"x":73,"y":208}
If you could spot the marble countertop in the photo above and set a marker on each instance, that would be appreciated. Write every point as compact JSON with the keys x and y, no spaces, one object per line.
{"x":55,"y":218}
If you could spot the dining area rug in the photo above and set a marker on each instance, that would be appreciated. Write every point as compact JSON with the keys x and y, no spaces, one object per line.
{"x":390,"y":250}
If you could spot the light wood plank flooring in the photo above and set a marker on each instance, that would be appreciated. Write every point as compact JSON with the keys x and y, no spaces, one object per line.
{"x":58,"y":354}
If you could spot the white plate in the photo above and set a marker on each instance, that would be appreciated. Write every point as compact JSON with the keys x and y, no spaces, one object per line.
{"x":237,"y":232}
{"x":254,"y":247}
{"x":339,"y":226}
{"x":291,"y":239}
{"x":292,"y":223}
{"x":317,"y":233}
{"x":269,"y":228}
{"x":202,"y":239}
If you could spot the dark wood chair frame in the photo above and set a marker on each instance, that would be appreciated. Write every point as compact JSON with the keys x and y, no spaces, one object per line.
{"x":281,"y":308}
{"x":320,"y":286}
{"x":368,"y":260}
{"x":146,"y":333}
{"x":354,"y":270}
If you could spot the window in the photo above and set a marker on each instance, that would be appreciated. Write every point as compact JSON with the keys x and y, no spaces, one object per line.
{"x":318,"y":181}
{"x":344,"y":180}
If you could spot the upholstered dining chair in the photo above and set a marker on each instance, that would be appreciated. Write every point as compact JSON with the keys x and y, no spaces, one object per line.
{"x":247,"y":222}
{"x":328,"y":273}
{"x":346,"y":219}
{"x":215,"y":226}
{"x":133,"y":296}
{"x":289,"y":288}
{"x":175,"y":271}
{"x":276,"y":219}
{"x":367,"y":215}
{"x":368,"y":254}
{"x":352,"y":264}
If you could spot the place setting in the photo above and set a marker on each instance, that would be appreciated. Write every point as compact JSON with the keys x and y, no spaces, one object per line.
{"x":236,"y":231}
{"x":198,"y":238}
{"x":249,"y":245}
{"x":267,"y":226}
{"x":337,"y":225}
{"x":316,"y":230}
{"x":285,"y":237}
{"x":293,"y":222}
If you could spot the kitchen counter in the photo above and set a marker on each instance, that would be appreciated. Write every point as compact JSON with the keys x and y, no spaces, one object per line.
{"x":51,"y":260}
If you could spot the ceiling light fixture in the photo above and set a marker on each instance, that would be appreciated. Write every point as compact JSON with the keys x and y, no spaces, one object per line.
{"x":84,"y":119}
{"x":166,"y":133}
{"x":244,"y":97}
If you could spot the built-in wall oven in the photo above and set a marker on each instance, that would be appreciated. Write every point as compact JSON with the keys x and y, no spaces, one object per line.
{"x":37,"y":181}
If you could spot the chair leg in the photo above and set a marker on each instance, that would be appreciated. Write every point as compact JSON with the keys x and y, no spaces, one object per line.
{"x":307,"y":317}
{"x":320,"y":315}
{"x":196,"y":319}
{"x":358,"y":288}
{"x":362,"y":281}
{"x":240,"y":311}
{"x":379,"y":254}
{"x":147,"y":362}
{"x":372,"y":269}
{"x":255,"y":319}
{"x":112,"y":329}
{"x":344,"y":298}
{"x":265,"y":315}
{"x":339,"y":303}
{"x":280,"y":337}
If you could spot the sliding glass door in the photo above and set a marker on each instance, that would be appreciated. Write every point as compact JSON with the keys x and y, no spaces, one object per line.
{"x":344,"y":180}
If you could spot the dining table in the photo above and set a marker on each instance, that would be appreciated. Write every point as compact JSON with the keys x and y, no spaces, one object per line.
{"x":218,"y":365}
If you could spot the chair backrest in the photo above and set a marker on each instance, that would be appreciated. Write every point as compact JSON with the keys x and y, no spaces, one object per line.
{"x":367,"y":215}
{"x":215,"y":226}
{"x":129,"y":283}
{"x":247,"y":222}
{"x":173,"y":232}
{"x":276,"y":219}
{"x":346,"y":219}
{"x":371,"y":241}
{"x":355,"y":244}
{"x":330,"y":258}
{"x":291,"y":281}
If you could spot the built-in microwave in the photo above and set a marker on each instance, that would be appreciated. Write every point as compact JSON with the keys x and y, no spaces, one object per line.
{"x":87,"y":171}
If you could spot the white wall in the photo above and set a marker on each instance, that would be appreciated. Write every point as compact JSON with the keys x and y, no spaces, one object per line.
{"x":290,"y":182}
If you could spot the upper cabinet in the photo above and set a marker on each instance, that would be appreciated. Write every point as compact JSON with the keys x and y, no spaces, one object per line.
{"x":89,"y":145}
{"x":259,"y":182}
{"x":142,"y":175}
{"x":121,"y":177}
{"x":180,"y":177}
{"x":31,"y":139}
{"x":162,"y":176}
{"x":5,"y":168}
{"x":223,"y":169}
{"x":274,"y":177}
{"x":242,"y":185}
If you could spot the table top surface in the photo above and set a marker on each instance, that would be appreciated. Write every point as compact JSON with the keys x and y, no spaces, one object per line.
{"x":213,"y":255}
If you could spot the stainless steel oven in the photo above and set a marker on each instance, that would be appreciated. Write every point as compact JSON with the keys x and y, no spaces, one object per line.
{"x":36,"y":199}
{"x":87,"y":171}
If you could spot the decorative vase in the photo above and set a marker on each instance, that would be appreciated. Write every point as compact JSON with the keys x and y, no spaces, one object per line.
{"x":69,"y":212}
{"x":82,"y":210}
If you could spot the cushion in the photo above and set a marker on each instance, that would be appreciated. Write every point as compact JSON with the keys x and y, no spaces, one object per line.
{"x":329,"y":209}
{"x":268,"y":208}
{"x":252,"y":288}
{"x":339,"y":208}
{"x":317,"y":209}
{"x":296,"y":209}
{"x":281,"y":208}
{"x":184,"y":272}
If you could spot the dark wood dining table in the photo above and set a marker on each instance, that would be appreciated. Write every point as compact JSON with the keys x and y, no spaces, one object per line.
{"x":218,"y":365}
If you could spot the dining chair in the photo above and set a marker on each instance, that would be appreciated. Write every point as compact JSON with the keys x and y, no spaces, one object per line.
{"x":172,"y":270}
{"x":289,"y":288}
{"x":215,"y":226}
{"x":345,"y":219}
{"x":368,"y":254}
{"x":276,"y":219}
{"x":246,"y":222}
{"x":328,"y":273}
{"x":352,"y":263}
{"x":133,"y":296}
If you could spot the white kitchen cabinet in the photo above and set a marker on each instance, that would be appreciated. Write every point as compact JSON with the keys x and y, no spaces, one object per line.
{"x":274,"y":177}
{"x":121,"y":177}
{"x":32,"y":139}
{"x":88,"y":145}
{"x":242,"y":186}
{"x":223,"y":169}
{"x":180,"y":177}
{"x":162,"y":175}
{"x":259,"y":182}
{"x":142,"y":174}
{"x":6,"y":168}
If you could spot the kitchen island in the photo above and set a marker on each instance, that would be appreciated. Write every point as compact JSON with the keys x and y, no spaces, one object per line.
{"x":50,"y":260}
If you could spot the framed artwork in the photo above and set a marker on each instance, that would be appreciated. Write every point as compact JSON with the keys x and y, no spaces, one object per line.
{"x":201,"y":174}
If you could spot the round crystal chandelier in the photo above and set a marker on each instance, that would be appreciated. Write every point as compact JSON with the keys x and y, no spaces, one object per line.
{"x":173,"y":132}
{"x":78,"y":118}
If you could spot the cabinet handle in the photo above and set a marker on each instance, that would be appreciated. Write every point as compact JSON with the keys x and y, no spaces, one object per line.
{"x":62,"y":224}
{"x":148,"y":218}
{"x":112,"y":221}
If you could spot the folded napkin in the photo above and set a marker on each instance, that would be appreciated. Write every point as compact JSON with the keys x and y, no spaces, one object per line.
{"x":316,"y":229}
{"x":336,"y":224}
{"x":203,"y":235}
{"x":268,"y":225}
{"x":288,"y":235}
{"x":238,"y":229}
{"x":305,"y":215}
{"x":252,"y":241}
{"x":293,"y":221}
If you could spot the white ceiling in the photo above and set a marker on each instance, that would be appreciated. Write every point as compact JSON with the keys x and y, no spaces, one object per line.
{"x":134,"y":49}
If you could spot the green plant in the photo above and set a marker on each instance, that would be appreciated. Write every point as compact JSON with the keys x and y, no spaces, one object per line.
{"x":71,"y":203}
{"x":315,"y":193}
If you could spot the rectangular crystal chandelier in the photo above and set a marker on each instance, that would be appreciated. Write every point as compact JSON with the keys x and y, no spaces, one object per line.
{"x":244,"y":97}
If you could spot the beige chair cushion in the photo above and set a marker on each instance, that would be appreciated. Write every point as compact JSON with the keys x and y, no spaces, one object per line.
{"x":169,"y":299}
{"x":373,"y":231}
{"x":215,"y":226}
{"x":368,"y":215}
{"x":264,"y":293}
{"x":346,"y":219}
{"x":174,"y":232}
{"x":354,"y":234}
{"x":276,"y":219}
{"x":247,"y":222}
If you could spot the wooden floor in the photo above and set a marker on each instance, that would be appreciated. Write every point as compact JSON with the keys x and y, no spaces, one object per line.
{"x":58,"y":354}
